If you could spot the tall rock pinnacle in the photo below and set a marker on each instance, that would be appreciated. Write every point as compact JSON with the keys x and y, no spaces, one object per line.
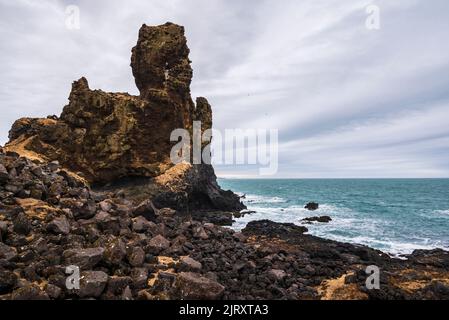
{"x":161,"y":66}
{"x":160,"y":60}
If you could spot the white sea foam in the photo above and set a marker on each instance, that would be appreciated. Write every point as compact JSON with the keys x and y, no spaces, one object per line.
{"x":344,"y":227}
{"x":442,"y":212}
{"x":394,"y":248}
{"x":251,"y":199}
{"x":294,"y":214}
{"x":324,"y":209}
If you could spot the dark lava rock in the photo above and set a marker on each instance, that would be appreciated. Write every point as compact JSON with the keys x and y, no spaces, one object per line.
{"x":189,"y":264}
{"x":54,"y":292}
{"x":92,"y":284}
{"x":84,"y":258}
{"x":6,"y":252}
{"x":8,"y":281}
{"x":136,"y":257}
{"x":139,"y":277}
{"x":270,"y":228}
{"x":146,"y":209}
{"x":87,"y":210}
{"x":29,"y":292}
{"x":117,"y":284}
{"x":3,"y":230}
{"x":158,"y":244}
{"x":107,"y":224}
{"x":322,"y":219}
{"x":115,"y":252}
{"x":277,"y":274}
{"x":22,"y":225}
{"x":192,"y":286}
{"x":312,"y":206}
{"x":141,"y":224}
{"x":437,"y":290}
{"x":220,"y":218}
{"x":4,"y":175}
{"x":437,"y":257}
{"x":59,"y":226}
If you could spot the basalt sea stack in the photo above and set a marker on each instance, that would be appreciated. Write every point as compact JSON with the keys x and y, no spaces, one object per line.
{"x":120,"y":139}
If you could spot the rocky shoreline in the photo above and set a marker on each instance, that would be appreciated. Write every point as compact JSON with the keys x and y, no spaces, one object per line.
{"x":128,"y":251}
{"x":94,"y":190}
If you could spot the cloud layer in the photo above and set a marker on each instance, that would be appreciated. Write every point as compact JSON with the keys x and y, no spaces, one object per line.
{"x":348,"y":101}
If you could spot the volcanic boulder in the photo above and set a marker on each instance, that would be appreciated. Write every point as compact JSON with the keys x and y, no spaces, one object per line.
{"x":192,"y":286}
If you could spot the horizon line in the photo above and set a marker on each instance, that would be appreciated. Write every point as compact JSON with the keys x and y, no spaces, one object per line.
{"x":330,"y":178}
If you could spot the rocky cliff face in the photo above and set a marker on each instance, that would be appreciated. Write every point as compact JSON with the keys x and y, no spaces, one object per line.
{"x":105,"y":137}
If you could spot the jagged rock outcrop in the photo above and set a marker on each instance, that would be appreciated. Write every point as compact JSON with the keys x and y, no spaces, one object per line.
{"x":161,"y":66}
{"x":201,"y":183}
{"x":104,"y":137}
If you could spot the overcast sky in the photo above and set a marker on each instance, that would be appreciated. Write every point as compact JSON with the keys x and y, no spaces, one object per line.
{"x":347,"y":101}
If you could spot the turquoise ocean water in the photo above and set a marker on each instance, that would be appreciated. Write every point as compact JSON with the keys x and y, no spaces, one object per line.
{"x":392,"y":215}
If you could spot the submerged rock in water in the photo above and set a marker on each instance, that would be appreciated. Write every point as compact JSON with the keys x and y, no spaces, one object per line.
{"x":92,"y":284}
{"x":241,"y":214}
{"x":312,"y":206}
{"x":322,"y":219}
{"x":193,"y":286}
